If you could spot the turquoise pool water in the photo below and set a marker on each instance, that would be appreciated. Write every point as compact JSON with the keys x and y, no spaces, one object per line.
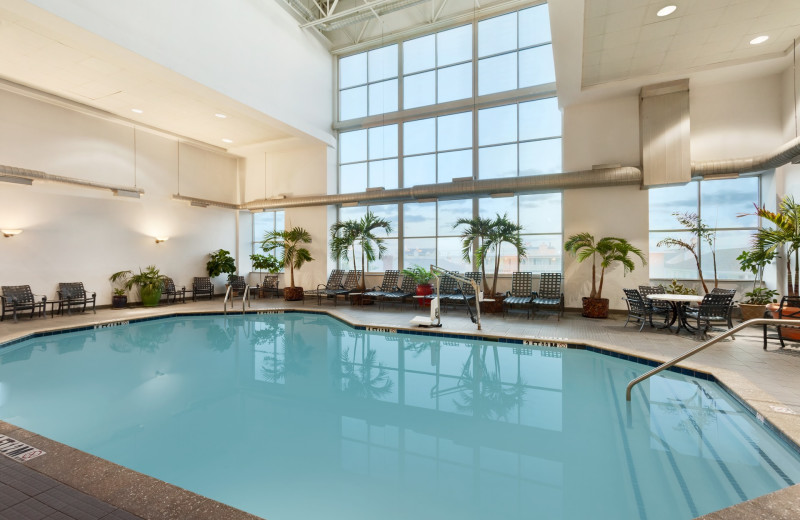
{"x":298,"y":416}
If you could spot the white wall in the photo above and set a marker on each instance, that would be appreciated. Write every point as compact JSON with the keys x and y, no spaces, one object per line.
{"x":251,"y":51}
{"x":80,"y":234}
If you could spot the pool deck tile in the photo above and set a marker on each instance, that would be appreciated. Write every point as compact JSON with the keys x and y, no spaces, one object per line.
{"x":71,"y":484}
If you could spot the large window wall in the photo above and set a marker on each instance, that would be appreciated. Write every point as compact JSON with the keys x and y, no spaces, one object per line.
{"x":439,"y":133}
{"x":719,"y":204}
{"x":263,"y":223}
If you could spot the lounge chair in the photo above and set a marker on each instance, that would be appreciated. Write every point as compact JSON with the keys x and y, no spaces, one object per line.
{"x":17,"y":298}
{"x":331,"y":289}
{"x":407,"y":289}
{"x":788,"y":310}
{"x":549,"y":295}
{"x":350,"y":283}
{"x":271,"y":284}
{"x":72,"y":294}
{"x":170,"y":291}
{"x":464,"y":291}
{"x":521,"y":293}
{"x":202,"y":286}
{"x":448,"y":286}
{"x":389,"y":284}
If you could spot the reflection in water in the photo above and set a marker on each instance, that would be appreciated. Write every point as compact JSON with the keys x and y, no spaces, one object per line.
{"x":483,"y":392}
{"x":144,"y":337}
{"x":362,"y":375}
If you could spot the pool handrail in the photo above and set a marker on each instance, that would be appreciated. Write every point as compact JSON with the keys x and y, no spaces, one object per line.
{"x":225,"y":301}
{"x":702,"y":346}
{"x":246,"y":296}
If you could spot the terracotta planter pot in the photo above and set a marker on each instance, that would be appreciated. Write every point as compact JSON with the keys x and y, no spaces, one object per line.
{"x":293,"y":294}
{"x":786,"y":332}
{"x":751,"y":312}
{"x":595,"y":308}
{"x":424,"y":289}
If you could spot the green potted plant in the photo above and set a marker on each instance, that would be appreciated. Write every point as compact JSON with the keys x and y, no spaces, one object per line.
{"x":293,"y":254}
{"x":754,"y":261}
{"x":150,"y":283}
{"x":119,"y":300}
{"x":345,"y":235}
{"x":423,"y":278}
{"x":220,"y":261}
{"x":268,"y":263}
{"x":610,"y":251}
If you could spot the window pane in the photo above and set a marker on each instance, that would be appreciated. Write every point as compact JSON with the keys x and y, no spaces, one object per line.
{"x":721,"y":200}
{"x":498,"y":34}
{"x":540,"y":213}
{"x":419,"y":251}
{"x":353,"y":178}
{"x":454,"y":131}
{"x":419,"y":219}
{"x":543,"y":254}
{"x":666,"y":201}
{"x":729,"y":245}
{"x":496,"y":162}
{"x":388,"y":212}
{"x":674,"y":262}
{"x":490,"y":208}
{"x":538,"y":119}
{"x":383,"y":142}
{"x":419,"y":90}
{"x":454,"y":164}
{"x":353,"y":103}
{"x":383,"y":173}
{"x":353,"y":146}
{"x":508,"y":261}
{"x":352,"y":213}
{"x":449,"y":255}
{"x":455,"y":83}
{"x":449,"y":212}
{"x":454,"y":45}
{"x":419,"y":136}
{"x":534,"y":26}
{"x":540,"y":157}
{"x":383,"y":97}
{"x":279,"y":221}
{"x":353,"y":70}
{"x":262,"y":222}
{"x":536,"y":66}
{"x":383,"y":63}
{"x":497,"y":74}
{"x":419,"y":54}
{"x":420,"y":169}
{"x":387,"y":261}
{"x":497,"y":125}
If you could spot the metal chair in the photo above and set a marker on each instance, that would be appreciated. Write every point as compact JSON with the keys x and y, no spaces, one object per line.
{"x":521,"y":292}
{"x":407,"y":289}
{"x":637,"y":308}
{"x":789,"y":310}
{"x":550,"y":294}
{"x":20,"y":298}
{"x":172,"y":292}
{"x":464,"y":291}
{"x":72,"y":294}
{"x":715,"y":308}
{"x":655,"y":306}
{"x":270,"y":285}
{"x":330,"y":289}
{"x":389,"y":284}
{"x":201,"y":285}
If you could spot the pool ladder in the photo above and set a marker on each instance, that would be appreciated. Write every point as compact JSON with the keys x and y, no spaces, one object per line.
{"x":228,"y":296}
{"x":703,"y":346}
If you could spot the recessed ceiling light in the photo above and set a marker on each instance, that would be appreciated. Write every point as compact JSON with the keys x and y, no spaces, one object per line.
{"x":221,"y":116}
{"x":227,"y":141}
{"x":137,"y":110}
{"x":666,"y":11}
{"x":759,"y":39}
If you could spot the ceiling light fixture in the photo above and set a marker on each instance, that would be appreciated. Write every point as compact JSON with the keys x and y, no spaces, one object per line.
{"x":10,"y":232}
{"x":137,"y":110}
{"x":227,"y":141}
{"x":221,"y":116}
{"x":161,"y":239}
{"x":759,"y":39}
{"x":666,"y":10}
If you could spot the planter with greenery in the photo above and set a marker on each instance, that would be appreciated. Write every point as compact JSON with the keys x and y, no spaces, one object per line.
{"x":347,"y":234}
{"x":754,"y":261}
{"x":119,"y":300}
{"x":220,"y":261}
{"x":150,"y":283}
{"x":786,"y":233}
{"x":423,"y":278}
{"x":610,"y":251}
{"x":293,"y":255}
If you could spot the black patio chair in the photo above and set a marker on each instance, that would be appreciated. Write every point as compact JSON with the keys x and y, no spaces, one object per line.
{"x":72,"y":294}
{"x":789,"y":310}
{"x":465,"y":293}
{"x":637,"y":308}
{"x":237,"y":284}
{"x":407,"y":289}
{"x":17,"y":298}
{"x":448,"y":286}
{"x":271,"y":284}
{"x":389,"y":284}
{"x":521,"y":293}
{"x":202,"y":286}
{"x":172,"y":292}
{"x":550,"y":294}
{"x":715,"y":308}
{"x":656,"y":307}
{"x":350,"y":283}
{"x":331,"y":289}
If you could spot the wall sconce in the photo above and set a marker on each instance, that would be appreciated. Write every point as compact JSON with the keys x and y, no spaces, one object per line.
{"x":161,"y":239}
{"x":10,"y":232}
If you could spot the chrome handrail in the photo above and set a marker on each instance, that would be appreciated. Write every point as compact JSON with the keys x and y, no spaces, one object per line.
{"x":225,"y":301}
{"x":246,"y":296}
{"x":703,"y":346}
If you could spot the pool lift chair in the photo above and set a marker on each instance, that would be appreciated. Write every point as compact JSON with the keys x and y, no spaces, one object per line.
{"x":435,"y":317}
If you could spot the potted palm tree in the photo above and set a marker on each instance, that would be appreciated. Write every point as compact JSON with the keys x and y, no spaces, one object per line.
{"x":150,"y":283}
{"x":477,"y":230}
{"x":609,"y":250}
{"x":293,"y":255}
{"x":347,"y":234}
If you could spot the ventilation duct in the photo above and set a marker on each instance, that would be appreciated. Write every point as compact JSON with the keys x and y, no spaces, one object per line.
{"x":10,"y":172}
{"x":783,"y":155}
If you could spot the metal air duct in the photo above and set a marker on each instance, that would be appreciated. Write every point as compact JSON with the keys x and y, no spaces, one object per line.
{"x":783,"y":155}
{"x":35,"y":175}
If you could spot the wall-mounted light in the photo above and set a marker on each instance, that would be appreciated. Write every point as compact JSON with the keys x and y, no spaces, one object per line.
{"x":161,"y":239}
{"x":10,"y":232}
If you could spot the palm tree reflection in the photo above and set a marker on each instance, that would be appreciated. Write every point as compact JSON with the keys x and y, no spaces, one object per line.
{"x":362,"y":376}
{"x":483,"y":392}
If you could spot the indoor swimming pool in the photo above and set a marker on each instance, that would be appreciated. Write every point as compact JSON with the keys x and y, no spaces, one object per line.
{"x":298,"y":415}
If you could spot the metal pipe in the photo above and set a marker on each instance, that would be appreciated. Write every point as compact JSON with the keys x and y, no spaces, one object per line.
{"x":782,"y":155}
{"x":11,"y":171}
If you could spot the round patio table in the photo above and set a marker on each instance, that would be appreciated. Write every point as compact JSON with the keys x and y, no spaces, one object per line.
{"x":678,"y":303}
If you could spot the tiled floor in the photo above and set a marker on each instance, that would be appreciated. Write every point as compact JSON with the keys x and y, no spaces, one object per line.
{"x":767,"y":380}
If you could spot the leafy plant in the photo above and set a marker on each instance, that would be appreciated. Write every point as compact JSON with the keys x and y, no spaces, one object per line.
{"x":418,"y":274}
{"x":150,"y":283}
{"x":345,"y":235}
{"x":700,"y":233}
{"x":119,"y":292}
{"x":490,"y":234}
{"x":754,"y":261}
{"x":760,"y":296}
{"x":293,"y":255}
{"x":609,"y":250}
{"x":220,"y":262}
{"x":677,"y":288}
{"x":786,"y":233}
{"x":268,"y":263}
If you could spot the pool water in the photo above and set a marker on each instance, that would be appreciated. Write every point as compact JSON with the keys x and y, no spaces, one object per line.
{"x":299,"y":416}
